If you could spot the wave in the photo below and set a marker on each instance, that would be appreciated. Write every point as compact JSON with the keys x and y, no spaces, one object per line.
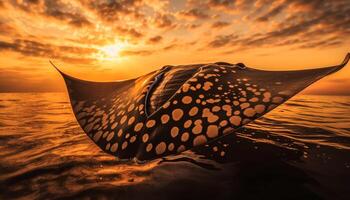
{"x":288,"y":153}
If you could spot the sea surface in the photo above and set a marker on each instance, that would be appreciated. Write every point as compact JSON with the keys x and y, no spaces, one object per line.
{"x":300,"y":150}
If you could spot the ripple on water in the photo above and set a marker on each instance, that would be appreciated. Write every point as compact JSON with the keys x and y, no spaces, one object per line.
{"x":288,"y":153}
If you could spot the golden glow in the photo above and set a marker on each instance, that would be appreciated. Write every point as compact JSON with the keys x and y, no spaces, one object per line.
{"x":111,"y":51}
{"x":104,"y":42}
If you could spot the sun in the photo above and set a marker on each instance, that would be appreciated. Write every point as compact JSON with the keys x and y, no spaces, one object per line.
{"x":111,"y":51}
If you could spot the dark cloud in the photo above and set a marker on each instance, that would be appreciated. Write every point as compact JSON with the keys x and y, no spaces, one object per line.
{"x":155,"y":39}
{"x":27,"y":5}
{"x":75,"y":50}
{"x":37,"y":49}
{"x":62,"y":11}
{"x":220,"y":24}
{"x":324,"y":43}
{"x":193,"y":26}
{"x":222,"y":40}
{"x":313,"y":5}
{"x":170,"y":47}
{"x":272,"y":13}
{"x":7,"y":46}
{"x":322,"y":22}
{"x":221,"y":3}
{"x":33,"y":48}
{"x":190,"y":26}
{"x":131,"y":32}
{"x":113,"y":10}
{"x":55,"y":9}
{"x":310,"y":24}
{"x":164,"y":21}
{"x":195,"y":13}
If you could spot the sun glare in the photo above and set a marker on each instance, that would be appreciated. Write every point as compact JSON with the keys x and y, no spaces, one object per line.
{"x":111,"y":52}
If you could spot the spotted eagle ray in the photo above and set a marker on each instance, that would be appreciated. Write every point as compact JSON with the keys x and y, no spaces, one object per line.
{"x":180,"y":107}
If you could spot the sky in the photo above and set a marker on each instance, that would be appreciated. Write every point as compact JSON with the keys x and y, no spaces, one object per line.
{"x":114,"y":40}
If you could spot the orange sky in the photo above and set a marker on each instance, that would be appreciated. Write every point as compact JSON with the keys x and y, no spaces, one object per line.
{"x":110,"y":39}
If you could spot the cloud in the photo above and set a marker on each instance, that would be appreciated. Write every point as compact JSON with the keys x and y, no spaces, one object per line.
{"x":319,"y":25}
{"x":272,"y":13}
{"x":59,"y":10}
{"x":155,"y":39}
{"x":259,"y":23}
{"x":6,"y":46}
{"x":221,"y":3}
{"x":222,"y":40}
{"x":328,"y":21}
{"x":55,"y":9}
{"x":194,"y":26}
{"x":37,"y":49}
{"x":113,"y":10}
{"x":170,"y":47}
{"x":195,"y":13}
{"x":165,"y":21}
{"x":131,"y":32}
{"x":6,"y":29}
{"x":220,"y":24}
{"x":136,"y":52}
{"x":324,"y":43}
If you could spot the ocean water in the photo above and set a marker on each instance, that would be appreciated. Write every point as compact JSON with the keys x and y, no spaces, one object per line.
{"x":300,"y":150}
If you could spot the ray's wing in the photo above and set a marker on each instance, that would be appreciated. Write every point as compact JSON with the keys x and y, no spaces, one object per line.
{"x":177,"y":108}
{"x":217,"y":100}
{"x":110,"y":113}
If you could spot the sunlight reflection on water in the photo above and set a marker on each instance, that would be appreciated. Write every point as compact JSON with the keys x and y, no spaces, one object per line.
{"x":45,"y":154}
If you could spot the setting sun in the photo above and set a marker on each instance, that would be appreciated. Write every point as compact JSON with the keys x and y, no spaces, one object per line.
{"x":110,"y":52}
